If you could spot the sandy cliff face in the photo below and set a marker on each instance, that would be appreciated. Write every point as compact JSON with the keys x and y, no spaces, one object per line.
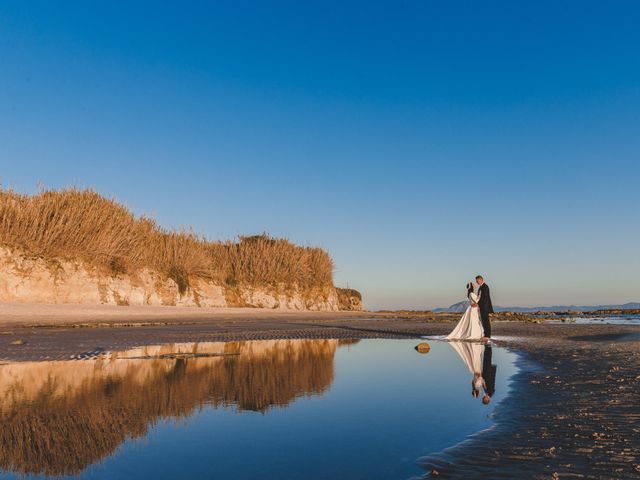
{"x":30,"y":279}
{"x":35,"y":280}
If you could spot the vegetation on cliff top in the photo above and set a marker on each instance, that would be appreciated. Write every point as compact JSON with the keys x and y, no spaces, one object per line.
{"x":83,"y":225}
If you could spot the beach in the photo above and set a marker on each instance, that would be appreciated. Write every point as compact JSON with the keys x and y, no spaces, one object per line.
{"x":571,"y":411}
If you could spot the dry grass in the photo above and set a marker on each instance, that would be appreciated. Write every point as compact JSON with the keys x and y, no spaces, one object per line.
{"x":81,"y":224}
{"x":349,"y":299}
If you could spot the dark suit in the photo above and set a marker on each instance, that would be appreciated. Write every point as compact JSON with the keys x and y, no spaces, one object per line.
{"x":489,"y":372}
{"x":485,"y":306}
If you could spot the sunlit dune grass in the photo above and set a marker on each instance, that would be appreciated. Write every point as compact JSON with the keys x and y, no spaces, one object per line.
{"x":81,"y":224}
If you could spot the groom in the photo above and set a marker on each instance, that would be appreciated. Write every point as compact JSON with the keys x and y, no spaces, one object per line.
{"x":484,"y":302}
{"x":488,"y":374}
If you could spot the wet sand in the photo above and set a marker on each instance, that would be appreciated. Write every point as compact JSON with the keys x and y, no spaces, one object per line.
{"x":573,"y":410}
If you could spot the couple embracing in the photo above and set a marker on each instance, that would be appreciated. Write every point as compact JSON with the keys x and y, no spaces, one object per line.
{"x":475,"y":323}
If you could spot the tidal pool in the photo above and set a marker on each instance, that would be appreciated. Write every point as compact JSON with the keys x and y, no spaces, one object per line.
{"x":623,"y":319}
{"x":277,"y":409}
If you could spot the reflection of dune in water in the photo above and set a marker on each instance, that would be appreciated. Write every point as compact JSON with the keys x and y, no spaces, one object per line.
{"x":59,"y":417}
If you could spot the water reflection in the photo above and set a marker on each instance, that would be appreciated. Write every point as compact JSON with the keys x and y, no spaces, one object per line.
{"x":59,"y":417}
{"x":262,"y":409}
{"x":625,"y":319}
{"x":478,"y":358}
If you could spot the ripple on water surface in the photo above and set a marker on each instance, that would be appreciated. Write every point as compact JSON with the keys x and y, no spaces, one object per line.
{"x":283,"y":409}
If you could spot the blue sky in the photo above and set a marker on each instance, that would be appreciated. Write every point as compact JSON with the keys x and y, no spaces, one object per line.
{"x":420,"y":142}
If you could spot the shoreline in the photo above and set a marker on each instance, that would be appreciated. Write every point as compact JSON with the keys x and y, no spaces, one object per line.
{"x":17,"y":314}
{"x":571,"y":410}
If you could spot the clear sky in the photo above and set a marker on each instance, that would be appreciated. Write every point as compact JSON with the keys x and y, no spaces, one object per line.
{"x":419,"y":141}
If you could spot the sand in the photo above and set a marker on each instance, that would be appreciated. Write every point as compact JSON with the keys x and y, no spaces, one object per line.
{"x":573,"y":410}
{"x":15,"y":314}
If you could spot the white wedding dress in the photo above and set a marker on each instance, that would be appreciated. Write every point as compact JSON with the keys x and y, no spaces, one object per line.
{"x":469,"y":327}
{"x":471,"y":354}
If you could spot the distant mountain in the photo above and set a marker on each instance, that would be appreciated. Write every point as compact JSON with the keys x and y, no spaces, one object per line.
{"x":462,"y":306}
{"x":456,"y":307}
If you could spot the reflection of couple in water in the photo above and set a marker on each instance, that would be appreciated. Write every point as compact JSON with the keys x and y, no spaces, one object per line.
{"x":477,"y":358}
{"x":475,"y":326}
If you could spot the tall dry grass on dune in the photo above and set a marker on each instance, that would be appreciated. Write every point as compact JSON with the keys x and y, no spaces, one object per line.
{"x":82,"y":224}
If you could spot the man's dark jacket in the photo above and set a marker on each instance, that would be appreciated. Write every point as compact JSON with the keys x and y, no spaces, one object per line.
{"x":485,"y":299}
{"x":489,"y":371}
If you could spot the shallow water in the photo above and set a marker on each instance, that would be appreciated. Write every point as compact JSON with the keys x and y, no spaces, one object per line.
{"x":284,"y":409}
{"x":600,"y":320}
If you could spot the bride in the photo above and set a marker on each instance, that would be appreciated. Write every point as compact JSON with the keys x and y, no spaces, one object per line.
{"x":469,"y":327}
